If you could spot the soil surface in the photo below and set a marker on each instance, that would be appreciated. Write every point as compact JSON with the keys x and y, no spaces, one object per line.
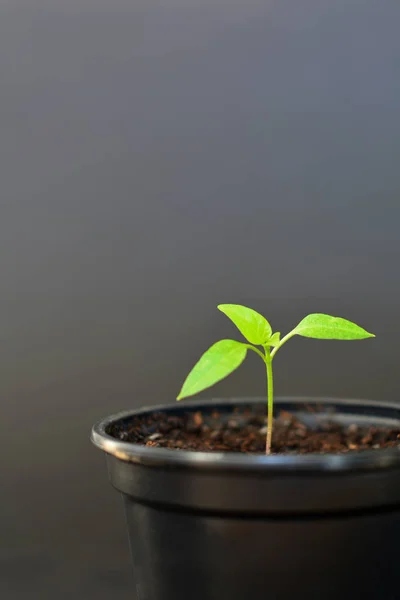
{"x":244,"y":430}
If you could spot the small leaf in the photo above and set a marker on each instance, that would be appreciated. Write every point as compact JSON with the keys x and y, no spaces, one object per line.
{"x":253,"y":326}
{"x":274,"y":339}
{"x":325,"y":327}
{"x":217,"y":362}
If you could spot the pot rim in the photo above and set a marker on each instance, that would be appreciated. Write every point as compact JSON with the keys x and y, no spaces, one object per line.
{"x":364,"y":460}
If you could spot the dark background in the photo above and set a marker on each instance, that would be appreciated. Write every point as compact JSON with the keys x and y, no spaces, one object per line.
{"x":158,"y":157}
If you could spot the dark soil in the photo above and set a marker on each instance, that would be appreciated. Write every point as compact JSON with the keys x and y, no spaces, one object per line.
{"x":245,"y":431}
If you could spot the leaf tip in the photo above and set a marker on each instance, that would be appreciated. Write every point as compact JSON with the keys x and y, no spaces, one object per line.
{"x":368,"y":335}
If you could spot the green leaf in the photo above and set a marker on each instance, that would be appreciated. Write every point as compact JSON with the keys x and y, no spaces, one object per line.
{"x":275,"y":339}
{"x":217,"y":362}
{"x":253,"y":326}
{"x":325,"y":327}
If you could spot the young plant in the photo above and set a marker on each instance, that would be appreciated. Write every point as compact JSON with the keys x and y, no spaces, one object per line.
{"x":226,"y":356}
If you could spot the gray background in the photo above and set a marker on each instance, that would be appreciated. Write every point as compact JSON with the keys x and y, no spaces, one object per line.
{"x":158,"y":157}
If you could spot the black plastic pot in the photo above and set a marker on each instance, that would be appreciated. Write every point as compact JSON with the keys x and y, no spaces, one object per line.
{"x":229,"y":526}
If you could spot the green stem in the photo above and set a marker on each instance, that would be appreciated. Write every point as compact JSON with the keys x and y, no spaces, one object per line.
{"x":270,"y":387}
{"x":256,"y":350}
{"x":283,"y":341}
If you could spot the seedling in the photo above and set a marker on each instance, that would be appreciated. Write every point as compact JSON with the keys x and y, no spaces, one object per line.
{"x":226,"y":356}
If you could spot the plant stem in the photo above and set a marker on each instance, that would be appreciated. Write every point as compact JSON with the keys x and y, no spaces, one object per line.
{"x":256,"y":350}
{"x":283,"y":341}
{"x":270,"y":388}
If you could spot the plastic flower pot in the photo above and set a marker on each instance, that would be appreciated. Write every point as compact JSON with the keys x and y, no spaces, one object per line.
{"x":230,"y":526}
